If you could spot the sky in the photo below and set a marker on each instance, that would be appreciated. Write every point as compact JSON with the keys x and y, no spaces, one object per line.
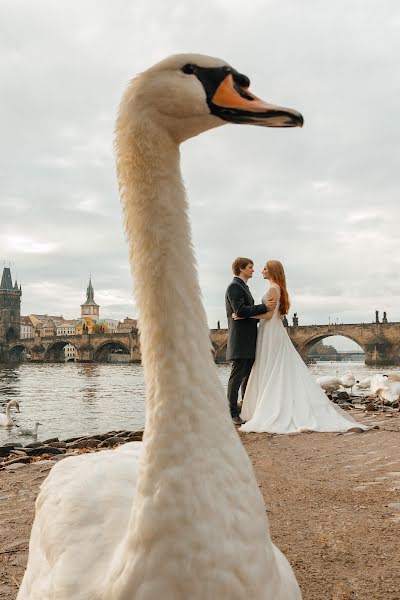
{"x":323,"y":199}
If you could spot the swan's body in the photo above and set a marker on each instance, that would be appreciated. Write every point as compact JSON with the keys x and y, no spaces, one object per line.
{"x":192,"y":523}
{"x":364,"y":384}
{"x":32,"y":432}
{"x":329,"y":383}
{"x":387,"y":390}
{"x":347,"y":381}
{"x":5,"y":418}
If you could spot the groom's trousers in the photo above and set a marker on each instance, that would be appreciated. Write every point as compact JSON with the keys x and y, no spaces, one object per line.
{"x":239,"y":377}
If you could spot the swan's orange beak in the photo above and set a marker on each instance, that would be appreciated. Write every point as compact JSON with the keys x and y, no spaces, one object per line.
{"x":234,"y":103}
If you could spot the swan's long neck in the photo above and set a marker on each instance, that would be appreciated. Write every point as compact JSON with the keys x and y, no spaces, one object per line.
{"x":173,"y":327}
{"x":187,"y":517}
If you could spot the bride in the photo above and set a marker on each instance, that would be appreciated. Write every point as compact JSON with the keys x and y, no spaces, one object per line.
{"x":281,"y":394}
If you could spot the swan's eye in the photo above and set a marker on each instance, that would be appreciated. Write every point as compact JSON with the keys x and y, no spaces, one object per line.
{"x":188,"y":69}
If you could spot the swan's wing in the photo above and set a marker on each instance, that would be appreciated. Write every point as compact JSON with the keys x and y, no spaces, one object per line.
{"x":82,"y":512}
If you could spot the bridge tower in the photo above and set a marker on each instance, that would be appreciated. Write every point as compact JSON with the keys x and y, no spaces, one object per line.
{"x":90,"y":308}
{"x":10,"y":307}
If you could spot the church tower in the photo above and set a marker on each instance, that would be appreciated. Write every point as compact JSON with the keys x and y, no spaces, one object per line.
{"x":10,"y":307}
{"x":90,"y":308}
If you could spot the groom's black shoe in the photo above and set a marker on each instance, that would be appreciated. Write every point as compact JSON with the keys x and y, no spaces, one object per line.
{"x":238,"y":421}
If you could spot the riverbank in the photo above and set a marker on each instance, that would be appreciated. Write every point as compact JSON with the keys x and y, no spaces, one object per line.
{"x":333,"y":503}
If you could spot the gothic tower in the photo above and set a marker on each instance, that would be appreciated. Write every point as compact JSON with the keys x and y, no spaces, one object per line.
{"x":10,"y":307}
{"x":90,"y":308}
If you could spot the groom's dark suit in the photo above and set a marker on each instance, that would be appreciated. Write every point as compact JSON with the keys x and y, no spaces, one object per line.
{"x":242,"y":337}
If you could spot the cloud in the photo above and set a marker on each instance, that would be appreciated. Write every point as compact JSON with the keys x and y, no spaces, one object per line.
{"x":324,"y":200}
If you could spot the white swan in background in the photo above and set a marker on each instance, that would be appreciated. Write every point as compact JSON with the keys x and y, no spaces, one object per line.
{"x":364,"y":384}
{"x":189,"y":522}
{"x":32,"y":432}
{"x":329,"y":383}
{"x":388,"y":391}
{"x":347,"y":381}
{"x":5,"y":418}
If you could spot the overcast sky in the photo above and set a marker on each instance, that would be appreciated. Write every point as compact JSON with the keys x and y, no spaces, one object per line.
{"x":324,"y":200}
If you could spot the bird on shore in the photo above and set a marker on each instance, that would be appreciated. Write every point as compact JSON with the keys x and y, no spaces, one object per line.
{"x":364,"y":384}
{"x":5,"y":418}
{"x":180,"y":516}
{"x":329,"y":383}
{"x":387,"y":390}
{"x":347,"y":381}
{"x":29,"y":432}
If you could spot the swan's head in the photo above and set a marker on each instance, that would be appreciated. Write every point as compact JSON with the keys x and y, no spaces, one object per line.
{"x":14,"y":403}
{"x":187,"y":94}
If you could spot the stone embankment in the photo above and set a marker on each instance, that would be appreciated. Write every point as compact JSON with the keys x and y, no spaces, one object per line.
{"x":13,"y":456}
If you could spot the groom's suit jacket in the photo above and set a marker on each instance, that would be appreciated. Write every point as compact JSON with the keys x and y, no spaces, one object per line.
{"x":242,"y":335}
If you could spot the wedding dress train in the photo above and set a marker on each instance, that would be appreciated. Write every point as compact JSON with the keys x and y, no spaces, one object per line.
{"x":281,"y":394}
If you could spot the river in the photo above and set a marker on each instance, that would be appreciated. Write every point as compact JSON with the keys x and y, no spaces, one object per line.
{"x":81,"y":399}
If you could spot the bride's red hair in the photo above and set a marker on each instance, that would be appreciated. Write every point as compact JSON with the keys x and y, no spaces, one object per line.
{"x":277,"y":275}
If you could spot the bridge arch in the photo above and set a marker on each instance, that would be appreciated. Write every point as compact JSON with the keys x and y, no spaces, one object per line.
{"x":17,"y":353}
{"x":305,"y":347}
{"x":110,"y":347}
{"x":55,"y":351}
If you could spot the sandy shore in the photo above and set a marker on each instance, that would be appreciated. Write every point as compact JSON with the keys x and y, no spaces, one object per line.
{"x":333,"y":503}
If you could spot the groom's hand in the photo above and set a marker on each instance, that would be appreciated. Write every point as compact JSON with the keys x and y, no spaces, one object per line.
{"x":271,"y":304}
{"x":236,"y":318}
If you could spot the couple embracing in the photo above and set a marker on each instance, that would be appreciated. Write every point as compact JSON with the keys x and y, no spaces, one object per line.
{"x":279,"y":394}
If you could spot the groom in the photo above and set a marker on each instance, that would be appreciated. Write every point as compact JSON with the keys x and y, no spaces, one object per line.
{"x":242,"y":334}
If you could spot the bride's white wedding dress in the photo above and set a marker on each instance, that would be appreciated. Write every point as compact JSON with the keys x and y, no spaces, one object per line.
{"x":281,"y":394}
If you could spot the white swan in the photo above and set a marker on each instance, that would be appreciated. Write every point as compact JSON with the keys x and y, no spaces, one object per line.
{"x":5,"y":419}
{"x":387,"y":390}
{"x":347,"y":381}
{"x":192,"y":524}
{"x":32,"y":432}
{"x":329,"y":383}
{"x":364,"y":384}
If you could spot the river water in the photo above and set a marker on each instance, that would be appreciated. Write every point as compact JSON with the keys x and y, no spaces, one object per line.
{"x":82,"y":399}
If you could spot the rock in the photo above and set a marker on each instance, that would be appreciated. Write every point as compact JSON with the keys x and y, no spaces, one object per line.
{"x":5,"y":451}
{"x":58,"y":444}
{"x":15,"y":466}
{"x":44,"y":450}
{"x":19,"y":459}
{"x":72,"y":439}
{"x":43,"y":462}
{"x":85,"y":443}
{"x":50,"y":441}
{"x":110,"y":442}
{"x":33,"y":445}
{"x":135,"y":436}
{"x":371,"y":407}
{"x":343,"y":396}
{"x":18,"y":452}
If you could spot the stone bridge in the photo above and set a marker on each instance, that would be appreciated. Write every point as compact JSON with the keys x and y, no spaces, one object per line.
{"x":379,"y":341}
{"x":91,"y":348}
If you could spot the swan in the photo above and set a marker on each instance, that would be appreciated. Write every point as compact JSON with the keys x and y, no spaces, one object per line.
{"x":364,"y":384}
{"x":347,"y":381}
{"x":387,"y":390}
{"x":5,"y":419}
{"x":329,"y":383}
{"x":179,"y":516}
{"x":33,"y":432}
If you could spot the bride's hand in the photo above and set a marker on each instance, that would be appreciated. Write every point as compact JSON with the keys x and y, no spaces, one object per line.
{"x":236,"y":318}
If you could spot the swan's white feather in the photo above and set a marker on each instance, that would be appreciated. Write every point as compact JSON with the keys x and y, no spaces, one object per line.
{"x":82,"y":512}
